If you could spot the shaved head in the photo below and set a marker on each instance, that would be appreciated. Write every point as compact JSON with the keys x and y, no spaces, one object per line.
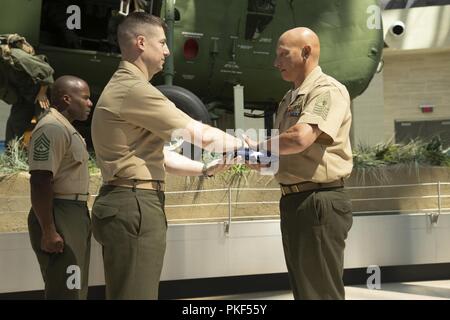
{"x":65,"y":85}
{"x":71,"y":96}
{"x":303,"y":37}
{"x":298,"y":54}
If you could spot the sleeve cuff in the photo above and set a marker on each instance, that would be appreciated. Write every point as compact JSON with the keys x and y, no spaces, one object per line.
{"x":326,"y":138}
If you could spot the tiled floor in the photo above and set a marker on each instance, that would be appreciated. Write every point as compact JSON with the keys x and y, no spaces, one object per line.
{"x":430,"y":290}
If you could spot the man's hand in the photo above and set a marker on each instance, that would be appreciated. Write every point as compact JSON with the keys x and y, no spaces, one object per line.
{"x":42,"y":98}
{"x":217,"y":166}
{"x":52,"y":242}
{"x":251,"y":144}
{"x":42,"y":203}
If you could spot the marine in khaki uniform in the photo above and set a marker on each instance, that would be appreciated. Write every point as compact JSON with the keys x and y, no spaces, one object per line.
{"x":314,"y":120}
{"x":59,"y":224}
{"x":132,"y":121}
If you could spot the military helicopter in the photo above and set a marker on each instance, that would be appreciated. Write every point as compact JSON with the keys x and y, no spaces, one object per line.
{"x":215,"y":45}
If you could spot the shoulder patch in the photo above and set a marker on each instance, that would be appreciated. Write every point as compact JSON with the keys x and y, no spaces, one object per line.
{"x":322,"y":106}
{"x":41,"y":149}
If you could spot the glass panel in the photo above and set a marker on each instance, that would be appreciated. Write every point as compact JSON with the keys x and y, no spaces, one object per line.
{"x":260,"y":14}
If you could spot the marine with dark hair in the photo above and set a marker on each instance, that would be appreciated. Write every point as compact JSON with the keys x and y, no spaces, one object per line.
{"x":132,"y":121}
{"x":59,"y":224}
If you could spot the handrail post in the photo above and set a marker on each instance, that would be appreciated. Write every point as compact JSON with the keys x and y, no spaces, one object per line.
{"x":439,"y":198}
{"x":435,"y":216}
{"x":228,"y":223}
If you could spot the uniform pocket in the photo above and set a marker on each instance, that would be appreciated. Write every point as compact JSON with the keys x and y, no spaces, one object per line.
{"x":343,"y":217}
{"x":103,"y":223}
{"x":101,"y":211}
{"x":342,"y":206}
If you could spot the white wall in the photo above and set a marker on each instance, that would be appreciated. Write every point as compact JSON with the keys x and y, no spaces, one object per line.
{"x":252,"y":247}
{"x":368,"y":114}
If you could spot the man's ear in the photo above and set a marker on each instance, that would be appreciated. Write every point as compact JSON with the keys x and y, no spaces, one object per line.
{"x":306,"y":52}
{"x":140,"y":41}
{"x":66,"y":98}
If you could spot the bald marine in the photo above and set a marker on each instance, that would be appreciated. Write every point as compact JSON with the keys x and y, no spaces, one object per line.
{"x":71,"y":95}
{"x":298,"y":54}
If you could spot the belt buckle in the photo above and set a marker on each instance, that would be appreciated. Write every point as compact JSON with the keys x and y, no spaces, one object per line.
{"x":295,"y":188}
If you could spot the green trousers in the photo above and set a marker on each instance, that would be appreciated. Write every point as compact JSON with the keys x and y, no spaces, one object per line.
{"x":65,"y":274}
{"x":131,"y":226}
{"x":314,"y":227}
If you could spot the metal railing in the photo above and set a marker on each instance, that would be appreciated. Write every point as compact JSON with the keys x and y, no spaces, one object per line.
{"x":433,"y":213}
{"x":229,"y":203}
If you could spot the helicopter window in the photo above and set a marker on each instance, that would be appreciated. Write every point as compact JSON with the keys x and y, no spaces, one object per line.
{"x":99,"y":22}
{"x":177,"y":15}
{"x":155,"y":7}
{"x":403,"y":4}
{"x":260,"y":14}
{"x":262,"y":6}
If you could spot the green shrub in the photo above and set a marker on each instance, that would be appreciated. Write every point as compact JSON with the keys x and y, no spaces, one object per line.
{"x":92,"y":165}
{"x":14,"y":159}
{"x":416,"y":152}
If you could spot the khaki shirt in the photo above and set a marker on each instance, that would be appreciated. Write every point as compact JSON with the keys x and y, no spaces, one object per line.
{"x":132,"y":121}
{"x":322,"y":101}
{"x":57,"y":146}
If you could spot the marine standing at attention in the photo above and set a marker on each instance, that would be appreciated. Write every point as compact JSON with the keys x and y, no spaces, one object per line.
{"x":132,"y":121}
{"x":59,"y":224}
